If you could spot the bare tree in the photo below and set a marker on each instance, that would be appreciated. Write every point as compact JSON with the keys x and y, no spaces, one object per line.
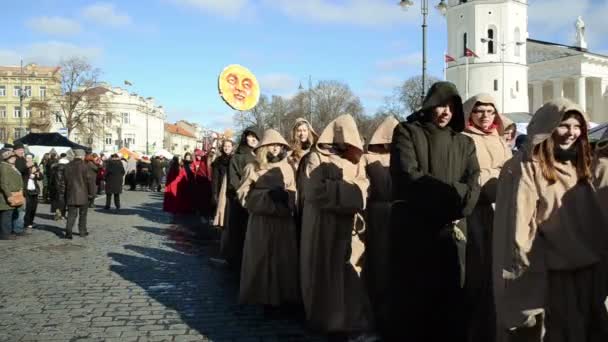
{"x":409,"y":93}
{"x":79,"y":101}
{"x":332,"y":99}
{"x":256,"y":117}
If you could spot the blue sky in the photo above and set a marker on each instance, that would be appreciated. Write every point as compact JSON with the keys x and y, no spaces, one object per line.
{"x":174,"y":50}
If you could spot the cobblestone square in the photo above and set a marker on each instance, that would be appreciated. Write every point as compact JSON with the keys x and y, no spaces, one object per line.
{"x":136,"y":277}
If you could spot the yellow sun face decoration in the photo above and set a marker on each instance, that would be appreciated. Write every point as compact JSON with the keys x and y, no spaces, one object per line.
{"x":238,"y":87}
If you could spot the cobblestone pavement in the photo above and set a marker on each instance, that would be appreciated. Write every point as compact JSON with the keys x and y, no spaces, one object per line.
{"x":136,"y":277}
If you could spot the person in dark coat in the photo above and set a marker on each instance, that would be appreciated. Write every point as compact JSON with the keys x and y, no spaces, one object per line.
{"x":32,"y":191}
{"x":21,"y":165}
{"x":238,"y":216}
{"x":80,"y":187}
{"x":157,"y":174}
{"x":92,"y":163}
{"x":435,"y":186}
{"x":114,"y":175}
{"x":57,"y":187}
{"x":143,"y":173}
{"x":219,"y":169}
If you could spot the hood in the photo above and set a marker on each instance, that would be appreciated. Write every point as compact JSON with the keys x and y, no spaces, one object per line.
{"x":198,"y":152}
{"x":602,"y":144}
{"x":299,"y":121}
{"x":251,"y":129}
{"x":272,"y":137}
{"x":485,"y":98}
{"x":439,"y":94}
{"x":548,"y":117}
{"x":384,"y":132}
{"x":342,"y":129}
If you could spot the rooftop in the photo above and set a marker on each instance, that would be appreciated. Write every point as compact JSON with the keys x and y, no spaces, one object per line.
{"x":174,"y":129}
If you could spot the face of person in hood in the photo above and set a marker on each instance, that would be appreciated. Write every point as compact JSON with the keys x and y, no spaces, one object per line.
{"x":442,"y":115}
{"x":568,"y":131}
{"x":252,"y":140}
{"x":483,"y":116}
{"x":188,"y":157}
{"x":509,"y":135}
{"x":275,"y":149}
{"x":302,"y":132}
{"x":227,"y":147}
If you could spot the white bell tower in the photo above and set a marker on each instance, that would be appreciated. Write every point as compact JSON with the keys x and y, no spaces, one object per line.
{"x":496,"y":31}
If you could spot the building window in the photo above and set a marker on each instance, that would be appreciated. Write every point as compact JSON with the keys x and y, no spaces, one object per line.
{"x":108,"y":119}
{"x":126,"y":118}
{"x":17,"y":112}
{"x":28,"y":91}
{"x":517,"y":37}
{"x":91,"y":118}
{"x":90,"y":141}
{"x":2,"y":91}
{"x":57,"y":118}
{"x":16,"y":91}
{"x":517,"y":86}
{"x":491,"y":50}
{"x":495,"y":85}
{"x":129,"y":139}
{"x":3,"y":136}
{"x":42,"y":114}
{"x":19,"y":132}
{"x":108,"y":139}
{"x":42,"y":92}
{"x":465,"y":44}
{"x":3,"y":112}
{"x":28,"y":112}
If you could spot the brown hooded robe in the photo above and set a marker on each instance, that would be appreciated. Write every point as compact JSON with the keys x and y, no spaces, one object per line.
{"x":269,"y":271}
{"x":601,"y":174}
{"x":377,"y":214}
{"x":335,"y":192}
{"x":492,"y":152}
{"x":549,"y":246}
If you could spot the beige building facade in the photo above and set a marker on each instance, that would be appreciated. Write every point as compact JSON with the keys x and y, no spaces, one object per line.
{"x":32,"y":84}
{"x":179,"y":140}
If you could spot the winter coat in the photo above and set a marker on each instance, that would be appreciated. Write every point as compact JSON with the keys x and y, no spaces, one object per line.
{"x":377,"y":214}
{"x":269,"y":273}
{"x":435,"y":183}
{"x":80,"y":183}
{"x":114,"y":176}
{"x":94,"y":170}
{"x":10,"y":181}
{"x":601,"y":178}
{"x":549,"y":238}
{"x":144,"y":168}
{"x":335,"y":193}
{"x":157,"y":168}
{"x":177,"y":198}
{"x":21,"y":165}
{"x":238,"y":216}
{"x":492,"y":152}
{"x":57,"y":185}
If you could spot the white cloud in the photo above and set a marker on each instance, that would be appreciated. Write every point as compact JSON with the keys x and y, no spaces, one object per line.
{"x":227,"y":8}
{"x":105,"y":14}
{"x":278,"y":84}
{"x":408,"y":60}
{"x":48,"y":53}
{"x":56,"y":26}
{"x":385,"y":81}
{"x":369,"y":13}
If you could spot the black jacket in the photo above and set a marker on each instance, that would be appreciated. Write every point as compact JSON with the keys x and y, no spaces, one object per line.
{"x":219,"y":168}
{"x":21,"y":165}
{"x":243,"y":156}
{"x":114,"y":176}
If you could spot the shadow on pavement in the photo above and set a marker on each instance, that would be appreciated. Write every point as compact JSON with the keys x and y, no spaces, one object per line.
{"x":59,"y":232}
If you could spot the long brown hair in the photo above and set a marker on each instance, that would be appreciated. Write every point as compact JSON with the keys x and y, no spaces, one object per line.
{"x":296,"y":144}
{"x":544,"y":152}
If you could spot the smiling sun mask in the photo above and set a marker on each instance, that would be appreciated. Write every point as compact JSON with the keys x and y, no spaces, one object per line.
{"x":238,"y":87}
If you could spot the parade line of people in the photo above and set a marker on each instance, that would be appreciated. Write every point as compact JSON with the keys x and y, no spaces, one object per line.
{"x":436,"y":230}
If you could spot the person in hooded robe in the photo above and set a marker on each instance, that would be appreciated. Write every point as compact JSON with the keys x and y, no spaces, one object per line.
{"x":331,"y":257}
{"x":435,"y":186}
{"x":269,"y":274}
{"x":219,"y":183}
{"x":303,"y":138}
{"x":601,"y":173}
{"x":238,"y":216}
{"x":201,"y":192}
{"x":550,"y":237}
{"x":486,"y":127}
{"x":377,"y":214}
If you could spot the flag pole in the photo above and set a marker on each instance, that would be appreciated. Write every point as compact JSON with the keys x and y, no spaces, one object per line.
{"x":445,"y":66}
{"x":466,"y":78}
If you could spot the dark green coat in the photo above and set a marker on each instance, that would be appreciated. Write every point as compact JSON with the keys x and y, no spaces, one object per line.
{"x":10,"y":181}
{"x":435,"y":177}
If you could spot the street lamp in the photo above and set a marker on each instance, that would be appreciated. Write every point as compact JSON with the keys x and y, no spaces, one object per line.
{"x":22,"y":96}
{"x":442,"y":7}
{"x":503,"y":48}
{"x":300,"y":88}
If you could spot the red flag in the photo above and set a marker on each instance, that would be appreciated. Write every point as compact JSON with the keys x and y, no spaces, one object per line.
{"x":449,"y":58}
{"x":470,"y":53}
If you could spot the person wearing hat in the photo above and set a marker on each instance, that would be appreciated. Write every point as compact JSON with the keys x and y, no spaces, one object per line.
{"x":21,"y":165}
{"x":80,"y":188}
{"x":435,"y":186}
{"x":268,"y":192}
{"x":237,"y":215}
{"x":57,"y":187}
{"x":485,"y":125}
{"x":11,"y":185}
